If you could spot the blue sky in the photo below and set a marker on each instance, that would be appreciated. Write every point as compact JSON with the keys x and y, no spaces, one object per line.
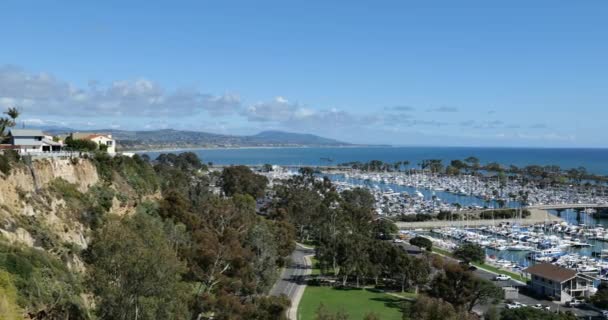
{"x":481,"y":73}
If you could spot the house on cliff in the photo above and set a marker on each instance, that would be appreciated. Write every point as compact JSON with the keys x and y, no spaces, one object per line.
{"x":31,"y":141}
{"x":102,"y":139}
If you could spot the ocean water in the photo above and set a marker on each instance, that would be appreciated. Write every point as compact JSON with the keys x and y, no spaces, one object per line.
{"x":594,"y":160}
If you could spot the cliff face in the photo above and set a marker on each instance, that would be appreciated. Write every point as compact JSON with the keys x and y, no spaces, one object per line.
{"x":28,"y":211}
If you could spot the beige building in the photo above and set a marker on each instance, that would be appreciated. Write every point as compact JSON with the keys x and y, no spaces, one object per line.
{"x":100,"y":138}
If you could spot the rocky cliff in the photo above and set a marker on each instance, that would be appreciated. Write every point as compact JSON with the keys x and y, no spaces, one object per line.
{"x":37,"y":211}
{"x":28,"y":210}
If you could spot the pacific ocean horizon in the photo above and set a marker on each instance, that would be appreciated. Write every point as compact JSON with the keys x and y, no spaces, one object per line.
{"x":594,"y":160}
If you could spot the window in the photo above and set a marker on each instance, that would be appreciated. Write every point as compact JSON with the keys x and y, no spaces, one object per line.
{"x":109,"y":143}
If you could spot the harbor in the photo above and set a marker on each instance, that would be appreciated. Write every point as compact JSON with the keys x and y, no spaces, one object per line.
{"x":558,"y":225}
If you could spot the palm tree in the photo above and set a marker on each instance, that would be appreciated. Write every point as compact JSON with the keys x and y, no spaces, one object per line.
{"x":8,"y":122}
{"x":13,"y":113}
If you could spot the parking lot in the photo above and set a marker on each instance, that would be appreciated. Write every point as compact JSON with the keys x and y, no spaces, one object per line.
{"x":584,"y":311}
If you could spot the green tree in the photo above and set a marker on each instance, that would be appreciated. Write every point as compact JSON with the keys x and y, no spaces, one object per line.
{"x":422,"y":242}
{"x":260,"y":240}
{"x":134,"y":271}
{"x":600,"y":298}
{"x":241,"y":180}
{"x":463,"y":289}
{"x":384,"y":229}
{"x":353,"y":258}
{"x":426,"y":308}
{"x":434,"y":165}
{"x":285,"y":238}
{"x":268,"y":308}
{"x":219,"y":259}
{"x":470,"y":252}
{"x":419,"y":272}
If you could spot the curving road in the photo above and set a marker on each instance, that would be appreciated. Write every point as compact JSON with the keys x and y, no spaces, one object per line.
{"x":292,"y":281}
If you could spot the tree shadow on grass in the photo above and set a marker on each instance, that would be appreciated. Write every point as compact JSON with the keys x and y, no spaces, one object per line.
{"x":346,"y":288}
{"x":393,"y":303}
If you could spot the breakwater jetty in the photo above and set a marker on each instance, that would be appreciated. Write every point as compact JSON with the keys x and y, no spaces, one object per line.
{"x":537,"y":216}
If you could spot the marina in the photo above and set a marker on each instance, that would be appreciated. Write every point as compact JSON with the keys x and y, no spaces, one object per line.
{"x":571,"y":238}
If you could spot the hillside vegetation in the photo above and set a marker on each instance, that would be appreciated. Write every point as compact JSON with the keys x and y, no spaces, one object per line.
{"x":124,"y":238}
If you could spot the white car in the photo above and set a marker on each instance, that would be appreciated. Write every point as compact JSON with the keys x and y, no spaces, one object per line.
{"x":514,"y":305}
{"x":541,"y":307}
{"x":575,"y":303}
{"x":502,"y":277}
{"x":605,"y":314}
{"x":398,"y":240}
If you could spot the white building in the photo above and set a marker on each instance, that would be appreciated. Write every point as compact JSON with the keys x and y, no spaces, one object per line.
{"x":99,"y":138}
{"x":32,"y":141}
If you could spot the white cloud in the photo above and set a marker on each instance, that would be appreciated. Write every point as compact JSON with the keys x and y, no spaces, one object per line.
{"x":278,"y":109}
{"x":43,"y":94}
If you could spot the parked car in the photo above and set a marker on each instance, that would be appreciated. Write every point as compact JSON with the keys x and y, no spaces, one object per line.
{"x":605,"y":314}
{"x":575,"y":303}
{"x":397,"y":240}
{"x":512,"y":306}
{"x":515,"y":305}
{"x":541,"y":307}
{"x":502,"y":277}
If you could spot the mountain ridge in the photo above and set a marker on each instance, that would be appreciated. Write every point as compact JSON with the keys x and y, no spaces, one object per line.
{"x":173,"y":138}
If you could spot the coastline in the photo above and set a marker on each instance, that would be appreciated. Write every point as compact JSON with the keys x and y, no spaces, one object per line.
{"x":252,"y":148}
{"x":593,"y":160}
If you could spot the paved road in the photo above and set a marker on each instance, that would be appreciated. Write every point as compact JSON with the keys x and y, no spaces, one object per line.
{"x":292,"y":281}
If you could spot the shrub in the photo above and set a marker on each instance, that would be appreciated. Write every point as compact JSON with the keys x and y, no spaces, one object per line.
{"x":9,"y":310}
{"x":65,"y":189}
{"x":80,"y":145}
{"x":422,"y":242}
{"x":7,"y":159}
{"x":41,"y":281}
{"x":103,"y":195}
{"x":5,"y":165}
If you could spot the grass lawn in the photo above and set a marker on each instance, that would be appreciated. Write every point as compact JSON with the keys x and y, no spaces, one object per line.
{"x":441,"y":251}
{"x":355,"y":302}
{"x":315,"y":266}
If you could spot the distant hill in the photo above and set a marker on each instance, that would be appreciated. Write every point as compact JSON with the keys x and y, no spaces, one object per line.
{"x":292,"y":138}
{"x":174,"y":139}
